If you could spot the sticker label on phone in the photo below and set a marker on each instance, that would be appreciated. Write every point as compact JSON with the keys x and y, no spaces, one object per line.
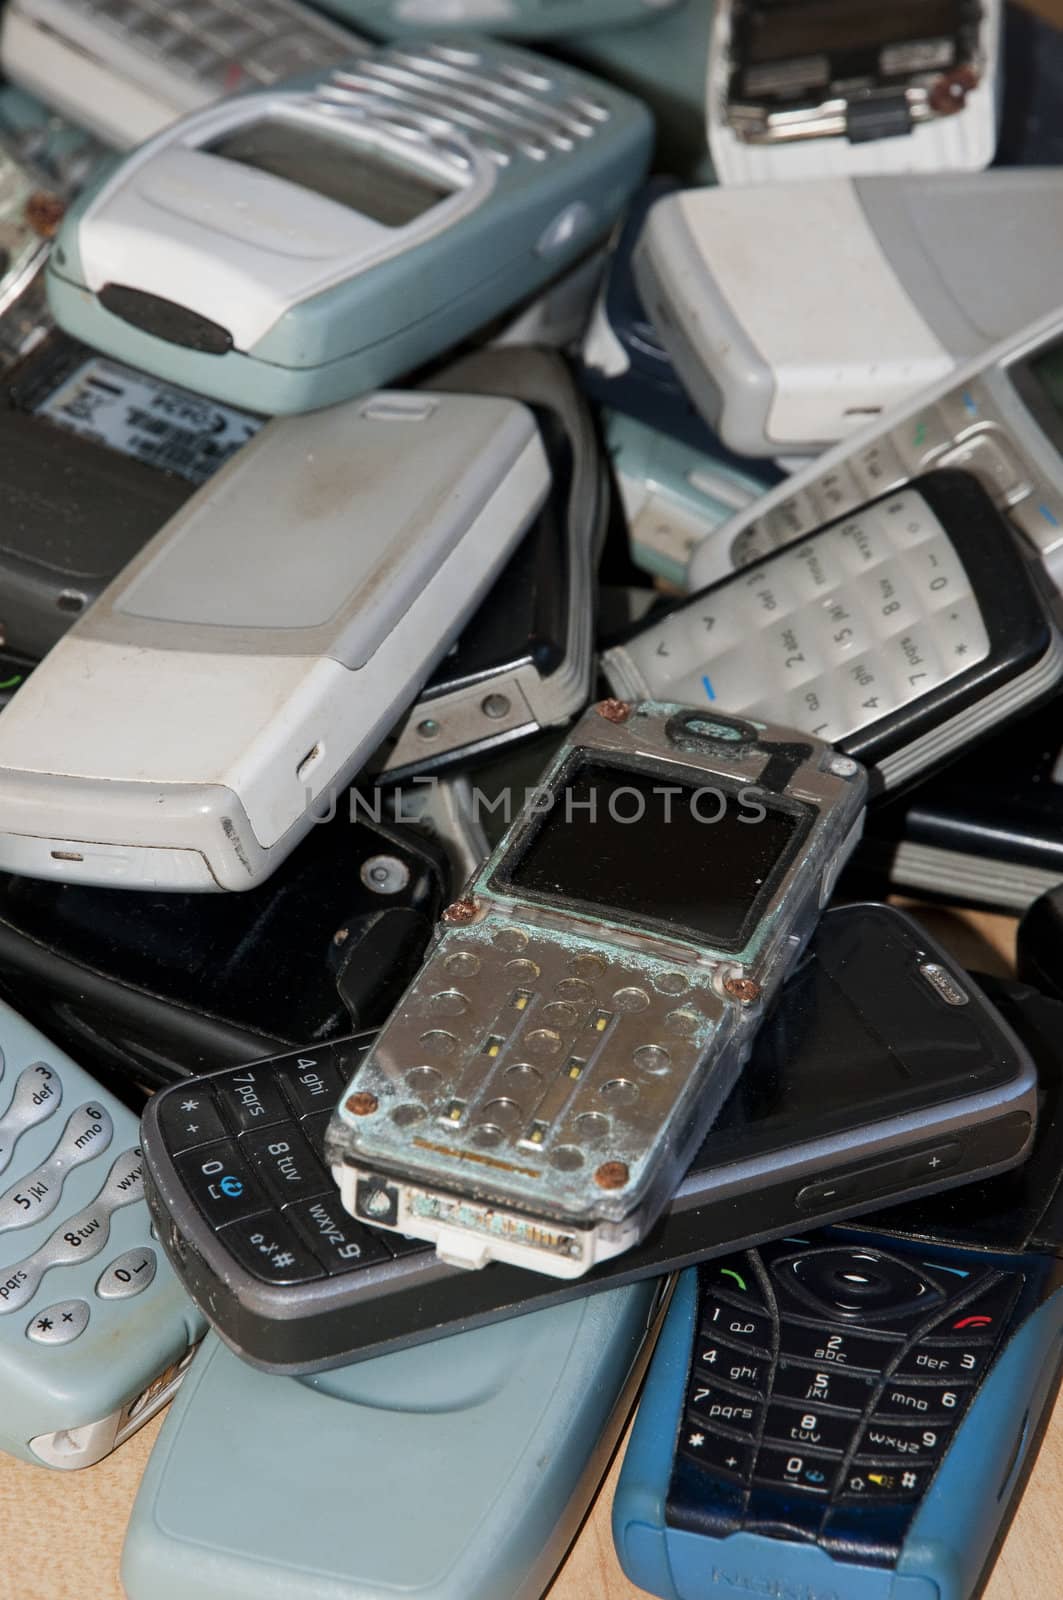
{"x":147,"y":419}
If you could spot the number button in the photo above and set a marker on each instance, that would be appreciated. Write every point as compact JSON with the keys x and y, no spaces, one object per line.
{"x":862,"y":542}
{"x":796,"y":1469}
{"x":817,"y":707}
{"x":813,"y":568}
{"x":37,"y":1095}
{"x":937,"y":573}
{"x":888,"y":596}
{"x":736,"y":1325}
{"x":286,"y":1164}
{"x":746,"y":1372}
{"x":792,"y":519}
{"x":901,"y":1398}
{"x":908,"y":520}
{"x":831,"y":1347}
{"x":913,"y":661}
{"x":868,"y":693}
{"x":836,"y":493}
{"x":843,"y":627}
{"x":794,"y":649}
{"x":220,"y":1182}
{"x":808,"y":1426}
{"x":903,"y":1441}
{"x":878,"y":467}
{"x":716,"y":1407}
{"x":128,"y":1275}
{"x":823,"y":1386}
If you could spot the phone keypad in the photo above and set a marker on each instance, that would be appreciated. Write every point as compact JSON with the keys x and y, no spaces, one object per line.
{"x":231,"y":44}
{"x":831,"y":1376}
{"x":247,"y":1144}
{"x":829,"y":635}
{"x":962,"y":430}
{"x":445,"y":92}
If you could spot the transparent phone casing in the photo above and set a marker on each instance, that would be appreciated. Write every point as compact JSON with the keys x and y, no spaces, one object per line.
{"x":547,"y":1077}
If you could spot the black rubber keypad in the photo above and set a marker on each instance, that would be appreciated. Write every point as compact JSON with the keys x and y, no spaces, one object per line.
{"x":824,"y":1378}
{"x":248,"y":1146}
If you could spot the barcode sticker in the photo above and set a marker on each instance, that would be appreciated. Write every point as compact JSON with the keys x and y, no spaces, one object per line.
{"x":147,"y":419}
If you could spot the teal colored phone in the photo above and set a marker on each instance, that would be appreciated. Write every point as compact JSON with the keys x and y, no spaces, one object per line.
{"x":458,"y":1470}
{"x":95,"y":1329}
{"x":293,"y":247}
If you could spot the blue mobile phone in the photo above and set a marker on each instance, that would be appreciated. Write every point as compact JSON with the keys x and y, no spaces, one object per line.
{"x":853,"y":1412}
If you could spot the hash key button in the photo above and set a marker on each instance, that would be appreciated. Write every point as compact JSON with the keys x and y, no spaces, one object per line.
{"x":287,"y":1165}
{"x":189,"y":1118}
{"x":270,"y":1250}
{"x":221,"y":1183}
{"x":870,"y":1482}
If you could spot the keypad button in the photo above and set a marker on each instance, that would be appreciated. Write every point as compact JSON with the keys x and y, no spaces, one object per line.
{"x":59,"y":1324}
{"x":904,"y":1441}
{"x":902,"y":1398}
{"x":736,"y":680}
{"x":733,"y":1277}
{"x":937,"y":574}
{"x":221,"y":1183}
{"x":252,"y":1098}
{"x":836,"y":493}
{"x":792,"y":518}
{"x":312,"y":1085}
{"x":913,"y":660}
{"x":824,"y":1385}
{"x":814,"y":568}
{"x":983,"y":1317}
{"x":793,"y":649}
{"x":717,"y":1406}
{"x":867,"y":693}
{"x":752,"y":544}
{"x":967,"y":407}
{"x":1040,"y":518}
{"x":750,"y":1373}
{"x":286,"y":1164}
{"x":128,"y":1274}
{"x":709,"y":627}
{"x":845,"y":630}
{"x":189,"y":1118}
{"x":808,"y":1426}
{"x":923,"y":436}
{"x":819,"y":707}
{"x":878,"y":467}
{"x":37,"y":1095}
{"x":996,"y":466}
{"x":737,"y":1325}
{"x":764,"y":595}
{"x":884,"y":1483}
{"x":959,"y":1363}
{"x":29,"y":1199}
{"x":337,"y":1241}
{"x":270,"y":1250}
{"x":908,"y":520}
{"x":731,"y":1458}
{"x":796,"y":1469}
{"x":863,"y":542}
{"x":887,"y":594}
{"x":836,"y":1347}
{"x":962,"y":637}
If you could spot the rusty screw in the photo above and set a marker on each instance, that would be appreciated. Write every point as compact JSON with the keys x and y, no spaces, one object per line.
{"x":44,"y":213}
{"x":744,"y":989}
{"x":613,"y":710}
{"x":362,"y":1104}
{"x":948,"y":94}
{"x":611,"y":1175}
{"x":460,"y":911}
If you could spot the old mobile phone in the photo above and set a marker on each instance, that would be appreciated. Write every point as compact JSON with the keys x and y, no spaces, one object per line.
{"x":525,"y":661}
{"x":95,"y":1329}
{"x":531,"y":1408}
{"x":473,"y":164}
{"x":865,"y":1082}
{"x":156,"y":987}
{"x":77,"y":510}
{"x":127,"y":70}
{"x":784,"y":357}
{"x":611,"y":983}
{"x":807,"y":89}
{"x":901,"y":631}
{"x":673,"y":497}
{"x":999,"y":417}
{"x":855,"y":1410}
{"x":531,"y":19}
{"x":273,"y":695}
{"x":988,"y":831}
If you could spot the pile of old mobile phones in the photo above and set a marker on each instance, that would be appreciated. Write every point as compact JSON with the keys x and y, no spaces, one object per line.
{"x":943,"y":1092}
{"x":857,"y":1407}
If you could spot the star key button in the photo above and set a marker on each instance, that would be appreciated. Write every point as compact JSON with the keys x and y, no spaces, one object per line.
{"x":60,"y":1323}
{"x":728,"y":1458}
{"x":189,"y":1118}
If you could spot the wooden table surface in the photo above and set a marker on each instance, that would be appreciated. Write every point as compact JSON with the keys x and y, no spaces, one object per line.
{"x":61,"y":1533}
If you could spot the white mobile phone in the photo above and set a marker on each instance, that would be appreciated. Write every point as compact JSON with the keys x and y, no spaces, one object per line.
{"x":797,"y":312}
{"x":127,"y":68}
{"x":244,"y":666}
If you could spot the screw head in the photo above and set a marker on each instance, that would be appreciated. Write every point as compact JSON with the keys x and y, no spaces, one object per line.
{"x":611,"y":1175}
{"x":495,"y":706}
{"x":44,"y":212}
{"x":613,"y":710}
{"x":362,"y":1104}
{"x":384,"y":874}
{"x":744,"y":989}
{"x":460,"y":911}
{"x":948,"y":93}
{"x":341,"y":935}
{"x":428,"y":728}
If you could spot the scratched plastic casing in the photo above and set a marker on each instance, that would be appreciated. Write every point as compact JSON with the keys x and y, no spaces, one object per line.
{"x":546,"y":1078}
